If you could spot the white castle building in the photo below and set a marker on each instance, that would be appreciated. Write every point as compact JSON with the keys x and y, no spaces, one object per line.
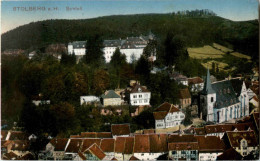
{"x":132,"y":47}
{"x":221,"y":101}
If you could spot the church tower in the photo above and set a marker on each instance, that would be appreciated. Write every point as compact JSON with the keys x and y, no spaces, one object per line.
{"x":207,"y":100}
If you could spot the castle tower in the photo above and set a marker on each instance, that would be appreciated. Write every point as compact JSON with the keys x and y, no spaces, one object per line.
{"x":207,"y":100}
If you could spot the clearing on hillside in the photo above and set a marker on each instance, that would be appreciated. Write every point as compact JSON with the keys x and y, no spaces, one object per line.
{"x":222,"y":48}
{"x":220,"y":65}
{"x":205,"y":52}
{"x":239,"y":55}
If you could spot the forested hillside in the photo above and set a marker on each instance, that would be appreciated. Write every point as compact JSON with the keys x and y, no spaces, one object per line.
{"x":197,"y":30}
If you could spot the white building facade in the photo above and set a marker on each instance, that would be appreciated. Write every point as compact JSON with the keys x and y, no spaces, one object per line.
{"x":140,"y":96}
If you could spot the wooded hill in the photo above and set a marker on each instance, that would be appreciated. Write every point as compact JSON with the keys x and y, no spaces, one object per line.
{"x":197,"y":30}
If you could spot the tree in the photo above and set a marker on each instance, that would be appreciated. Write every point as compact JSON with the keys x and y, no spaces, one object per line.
{"x":68,"y":60}
{"x":100,"y":81}
{"x":94,"y":54}
{"x":118,"y":59}
{"x":187,"y":119}
{"x":142,"y":67}
{"x":150,"y":49}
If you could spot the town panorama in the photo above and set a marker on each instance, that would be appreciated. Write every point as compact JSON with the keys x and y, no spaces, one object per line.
{"x":176,"y":86}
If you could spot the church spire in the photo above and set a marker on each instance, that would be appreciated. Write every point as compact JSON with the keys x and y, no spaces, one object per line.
{"x":207,"y":85}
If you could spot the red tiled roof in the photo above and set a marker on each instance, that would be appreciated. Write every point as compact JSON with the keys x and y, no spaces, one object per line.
{"x":20,"y":145}
{"x":183,"y":146}
{"x":119,"y":144}
{"x":174,"y":109}
{"x":230,"y":154}
{"x":10,"y":156}
{"x":114,"y":158}
{"x":181,"y":138}
{"x":82,"y":156}
{"x":164,"y":107}
{"x":74,"y":145}
{"x":141,"y":144}
{"x":149,"y":131}
{"x":95,"y":135}
{"x":5,"y":143}
{"x":133,"y":158}
{"x":95,"y":150}
{"x":18,"y":135}
{"x":218,"y":128}
{"x":158,"y":143}
{"x":59,"y":143}
{"x":88,"y":142}
{"x":195,"y":80}
{"x":136,"y":88}
{"x":255,"y":98}
{"x":120,"y":129}
{"x":3,"y":134}
{"x":184,"y":93}
{"x":107,"y":145}
{"x":200,"y":131}
{"x":210,"y":143}
{"x":236,"y":137}
{"x":75,"y":136}
{"x":129,"y":145}
{"x":159,"y":115}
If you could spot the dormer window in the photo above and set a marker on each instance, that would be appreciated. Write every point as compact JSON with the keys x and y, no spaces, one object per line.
{"x":139,"y":90}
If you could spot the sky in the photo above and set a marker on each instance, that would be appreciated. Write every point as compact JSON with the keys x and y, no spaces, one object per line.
{"x":17,"y":13}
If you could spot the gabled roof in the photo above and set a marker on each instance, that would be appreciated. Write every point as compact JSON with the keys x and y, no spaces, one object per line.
{"x":256,"y":119}
{"x":95,"y":150}
{"x":184,"y":93}
{"x":159,"y":115}
{"x":82,"y":156}
{"x":163,"y":110}
{"x":107,"y":145}
{"x":236,"y":137}
{"x":120,"y":129}
{"x":110,"y":94}
{"x":20,"y":145}
{"x":138,"y":89}
{"x":10,"y":156}
{"x":4,"y":134}
{"x":94,"y":135}
{"x":129,"y":145}
{"x":59,"y":143}
{"x":88,"y":142}
{"x":158,"y":143}
{"x":210,"y":144}
{"x":78,"y":44}
{"x":124,"y":145}
{"x":230,"y":154}
{"x":195,"y":80}
{"x":133,"y":158}
{"x":225,"y":94}
{"x":181,"y":138}
{"x":183,"y":146}
{"x":18,"y":135}
{"x":119,"y":144}
{"x":200,"y":131}
{"x":141,"y":144}
{"x":237,"y":85}
{"x":74,"y":145}
{"x":218,"y":128}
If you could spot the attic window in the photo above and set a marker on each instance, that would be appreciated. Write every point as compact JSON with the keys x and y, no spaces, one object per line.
{"x":139,"y":90}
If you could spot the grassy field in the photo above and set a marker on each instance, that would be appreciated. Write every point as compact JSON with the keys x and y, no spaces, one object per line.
{"x":222,"y":48}
{"x":205,"y":52}
{"x":221,"y":65}
{"x":239,"y":55}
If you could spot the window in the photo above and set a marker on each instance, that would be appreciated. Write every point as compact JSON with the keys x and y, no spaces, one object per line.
{"x":212,"y":99}
{"x":140,"y":96}
{"x":173,"y":152}
{"x":134,"y":96}
{"x":244,"y":153}
{"x":176,"y":116}
{"x":140,"y":101}
{"x":145,"y":101}
{"x":135,"y":101}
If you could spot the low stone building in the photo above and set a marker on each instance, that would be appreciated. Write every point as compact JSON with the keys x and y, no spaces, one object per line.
{"x":110,"y":98}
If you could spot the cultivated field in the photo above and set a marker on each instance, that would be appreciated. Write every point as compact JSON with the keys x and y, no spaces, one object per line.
{"x":222,"y":48}
{"x":237,"y":54}
{"x":205,"y":52}
{"x":220,"y":65}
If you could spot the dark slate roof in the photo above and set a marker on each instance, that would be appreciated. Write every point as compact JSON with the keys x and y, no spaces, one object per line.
{"x":237,"y":85}
{"x":112,"y":43}
{"x":225,"y":94}
{"x":207,"y":85}
{"x":78,"y":44}
{"x":138,"y":88}
{"x":110,"y":94}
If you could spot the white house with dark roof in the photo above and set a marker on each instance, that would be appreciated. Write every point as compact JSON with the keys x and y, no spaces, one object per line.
{"x":139,"y":96}
{"x":88,"y":99}
{"x":219,"y":102}
{"x":166,"y":116}
{"x":77,"y":47}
